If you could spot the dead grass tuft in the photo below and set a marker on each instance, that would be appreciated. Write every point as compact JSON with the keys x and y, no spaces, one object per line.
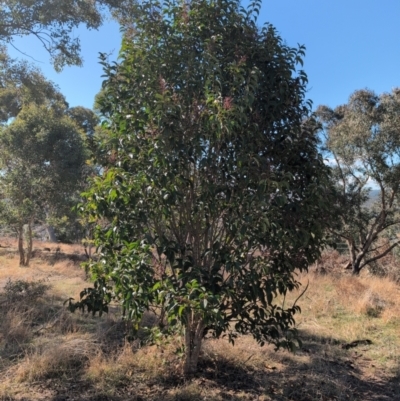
{"x":22,"y":308}
{"x":14,"y":333}
{"x":56,"y":358}
{"x":369,"y":295}
{"x":150,"y":366}
{"x":193,"y":391}
{"x":108,"y":372}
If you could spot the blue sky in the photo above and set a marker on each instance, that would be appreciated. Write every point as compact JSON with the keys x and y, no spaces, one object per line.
{"x":351,"y":44}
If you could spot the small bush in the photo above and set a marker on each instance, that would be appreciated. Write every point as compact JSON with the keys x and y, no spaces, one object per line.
{"x":21,"y":310}
{"x":21,"y":291}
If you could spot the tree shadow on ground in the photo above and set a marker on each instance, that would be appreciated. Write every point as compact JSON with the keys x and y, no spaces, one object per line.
{"x":322,"y":370}
{"x":50,"y":256}
{"x":326,"y":369}
{"x":55,"y":257}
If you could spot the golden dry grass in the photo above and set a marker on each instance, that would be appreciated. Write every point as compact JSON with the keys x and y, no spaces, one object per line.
{"x":46,"y":353}
{"x":49,"y":261}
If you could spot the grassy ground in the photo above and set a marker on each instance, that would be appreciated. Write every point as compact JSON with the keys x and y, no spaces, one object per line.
{"x":46,"y":353}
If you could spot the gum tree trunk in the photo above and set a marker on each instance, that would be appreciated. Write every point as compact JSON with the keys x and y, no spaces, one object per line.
{"x":25,"y":256}
{"x":359,"y":259}
{"x":30,"y":244}
{"x":21,"y":245}
{"x":355,"y":259}
{"x":193,"y":338}
{"x":51,"y":233}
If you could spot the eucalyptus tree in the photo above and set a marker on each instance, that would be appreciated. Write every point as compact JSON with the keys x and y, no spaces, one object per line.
{"x":42,"y":153}
{"x":43,"y":149}
{"x":53,"y":23}
{"x":22,"y":84}
{"x":362,"y":139}
{"x":212,"y":188}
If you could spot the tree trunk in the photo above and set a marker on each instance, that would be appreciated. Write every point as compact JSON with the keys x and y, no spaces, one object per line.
{"x":193,"y":339}
{"x":25,"y":256}
{"x":21,"y":246}
{"x":30,"y":244}
{"x":51,"y":233}
{"x":356,"y":268}
{"x":88,"y":242}
{"x":355,"y":259}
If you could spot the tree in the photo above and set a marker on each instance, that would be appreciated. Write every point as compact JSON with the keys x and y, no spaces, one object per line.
{"x":362,"y":139}
{"x":22,"y":84}
{"x":212,"y":190}
{"x":88,"y":121}
{"x":42,"y":151}
{"x":53,"y":22}
{"x":17,"y":209}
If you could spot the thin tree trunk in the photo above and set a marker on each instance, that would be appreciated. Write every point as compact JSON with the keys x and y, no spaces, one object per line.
{"x":88,"y":242}
{"x":356,"y":268}
{"x":355,"y":258}
{"x":21,"y":246}
{"x":30,"y":244}
{"x":193,"y":339}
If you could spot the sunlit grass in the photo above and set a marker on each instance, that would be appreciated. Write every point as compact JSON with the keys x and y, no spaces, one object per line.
{"x":43,"y":346}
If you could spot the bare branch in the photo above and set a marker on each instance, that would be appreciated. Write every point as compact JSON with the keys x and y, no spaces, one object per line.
{"x":380,"y":256}
{"x":25,"y":54}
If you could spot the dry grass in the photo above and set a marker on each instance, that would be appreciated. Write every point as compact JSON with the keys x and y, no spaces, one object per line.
{"x":341,"y":308}
{"x":58,"y":264}
{"x":46,"y":353}
{"x":56,"y":357}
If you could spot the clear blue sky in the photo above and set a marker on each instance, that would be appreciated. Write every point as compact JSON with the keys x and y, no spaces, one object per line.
{"x":351,"y":44}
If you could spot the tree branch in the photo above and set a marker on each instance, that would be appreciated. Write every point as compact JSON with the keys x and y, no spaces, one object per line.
{"x":381,"y":255}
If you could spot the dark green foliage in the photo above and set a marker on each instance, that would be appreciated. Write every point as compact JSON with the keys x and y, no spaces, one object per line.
{"x":213,"y":189}
{"x":93,"y":300}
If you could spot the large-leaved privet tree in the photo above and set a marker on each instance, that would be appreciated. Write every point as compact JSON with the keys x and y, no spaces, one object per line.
{"x":213,"y":189}
{"x":362,"y":140}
